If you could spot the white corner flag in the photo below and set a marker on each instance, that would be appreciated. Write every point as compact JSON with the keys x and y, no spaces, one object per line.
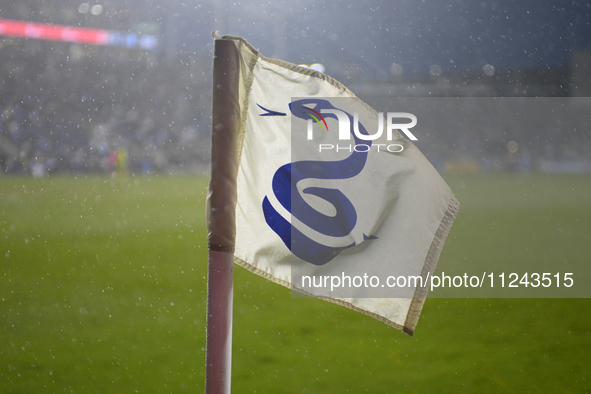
{"x":333,"y":199}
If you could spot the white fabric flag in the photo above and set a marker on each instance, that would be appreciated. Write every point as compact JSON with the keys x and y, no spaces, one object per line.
{"x":325,"y":206}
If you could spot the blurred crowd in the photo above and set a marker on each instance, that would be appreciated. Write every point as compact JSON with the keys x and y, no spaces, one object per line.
{"x":67,"y":107}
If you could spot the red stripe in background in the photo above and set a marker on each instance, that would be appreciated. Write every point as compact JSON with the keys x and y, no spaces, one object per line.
{"x":42,"y":31}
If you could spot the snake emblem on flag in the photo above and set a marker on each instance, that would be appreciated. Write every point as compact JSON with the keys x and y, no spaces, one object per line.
{"x":284,"y":185}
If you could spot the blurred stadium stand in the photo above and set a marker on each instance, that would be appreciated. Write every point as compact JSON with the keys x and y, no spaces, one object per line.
{"x":67,"y":107}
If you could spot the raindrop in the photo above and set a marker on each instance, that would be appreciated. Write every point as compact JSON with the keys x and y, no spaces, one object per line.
{"x":488,"y":70}
{"x":83,"y":8}
{"x":435,"y":70}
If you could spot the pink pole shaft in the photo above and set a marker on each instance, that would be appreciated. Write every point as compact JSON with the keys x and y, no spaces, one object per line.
{"x":219,"y":323}
{"x":221,"y":222}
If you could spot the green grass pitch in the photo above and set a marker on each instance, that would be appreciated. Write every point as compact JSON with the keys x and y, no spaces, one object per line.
{"x":103,"y":290}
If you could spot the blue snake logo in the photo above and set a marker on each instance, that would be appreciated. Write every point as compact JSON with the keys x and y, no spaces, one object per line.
{"x":284,"y":187}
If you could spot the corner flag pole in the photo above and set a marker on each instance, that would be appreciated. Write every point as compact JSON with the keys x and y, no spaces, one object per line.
{"x":221,"y":223}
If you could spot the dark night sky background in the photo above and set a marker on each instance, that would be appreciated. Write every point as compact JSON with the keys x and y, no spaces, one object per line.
{"x":366,"y":35}
{"x":458,"y":36}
